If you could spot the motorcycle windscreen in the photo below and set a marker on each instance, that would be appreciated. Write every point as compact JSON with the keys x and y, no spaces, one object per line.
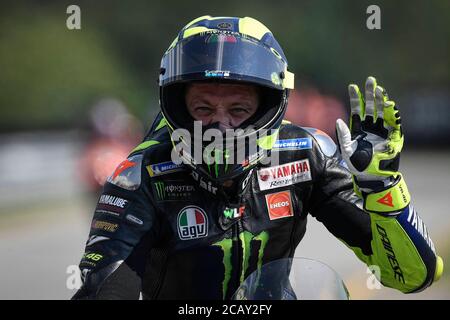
{"x":223,"y":56}
{"x":293,"y":279}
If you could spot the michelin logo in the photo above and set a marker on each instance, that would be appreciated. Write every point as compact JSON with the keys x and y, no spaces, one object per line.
{"x":163,"y":168}
{"x":293,"y":144}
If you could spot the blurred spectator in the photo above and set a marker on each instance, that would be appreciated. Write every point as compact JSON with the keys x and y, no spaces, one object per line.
{"x":115,"y":133}
{"x":309,"y":108}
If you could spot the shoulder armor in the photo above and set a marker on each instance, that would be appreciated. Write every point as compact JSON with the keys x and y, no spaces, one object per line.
{"x":128,"y":173}
{"x":324,"y":141}
{"x":291,"y":138}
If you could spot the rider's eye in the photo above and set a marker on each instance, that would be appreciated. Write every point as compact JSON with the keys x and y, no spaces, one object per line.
{"x":239,"y":110}
{"x":203,"y":109}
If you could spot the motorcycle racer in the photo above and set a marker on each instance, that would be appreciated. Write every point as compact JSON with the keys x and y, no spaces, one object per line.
{"x":195,"y":229}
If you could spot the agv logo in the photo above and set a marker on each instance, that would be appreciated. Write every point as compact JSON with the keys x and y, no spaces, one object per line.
{"x":192,"y":223}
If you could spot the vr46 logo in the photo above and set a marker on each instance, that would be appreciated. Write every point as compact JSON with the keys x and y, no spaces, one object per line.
{"x":248,"y":243}
{"x":92,"y":256}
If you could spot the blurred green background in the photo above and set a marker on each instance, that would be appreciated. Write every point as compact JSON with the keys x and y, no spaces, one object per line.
{"x":51,"y":75}
{"x":51,"y":78}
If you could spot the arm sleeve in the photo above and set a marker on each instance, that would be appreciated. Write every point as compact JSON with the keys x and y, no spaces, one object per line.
{"x":399,"y":245}
{"x":124,"y":227}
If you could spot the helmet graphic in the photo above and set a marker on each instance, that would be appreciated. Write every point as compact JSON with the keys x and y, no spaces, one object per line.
{"x":234,"y":50}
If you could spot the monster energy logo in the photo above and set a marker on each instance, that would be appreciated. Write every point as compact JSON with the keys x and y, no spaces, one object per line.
{"x":218,"y":157}
{"x":173,"y":190}
{"x":160,"y":190}
{"x":246,"y":240}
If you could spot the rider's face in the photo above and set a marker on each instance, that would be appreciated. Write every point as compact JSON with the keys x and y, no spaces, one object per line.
{"x":227,"y":104}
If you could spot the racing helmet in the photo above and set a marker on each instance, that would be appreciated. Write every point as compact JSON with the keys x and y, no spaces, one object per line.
{"x":225,"y":50}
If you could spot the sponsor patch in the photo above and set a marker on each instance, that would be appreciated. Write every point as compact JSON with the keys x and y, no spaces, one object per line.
{"x":386,"y":200}
{"x":279,"y":205}
{"x":391,"y":256}
{"x":192,"y":223}
{"x":217,"y":73}
{"x":233,"y":213}
{"x":224,"y":25}
{"x":105,"y":226}
{"x":111,"y":204}
{"x":284,"y":175}
{"x":293,"y":144}
{"x":90,"y":259}
{"x":93,"y":256}
{"x":163,"y":168}
{"x":134,"y":219}
{"x":172,"y":190}
{"x":416,"y":222}
{"x":207,"y":185}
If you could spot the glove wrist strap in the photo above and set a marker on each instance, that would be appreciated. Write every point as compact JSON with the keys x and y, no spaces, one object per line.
{"x":390,"y":200}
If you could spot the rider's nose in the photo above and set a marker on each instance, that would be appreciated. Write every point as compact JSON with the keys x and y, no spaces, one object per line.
{"x":222,"y":118}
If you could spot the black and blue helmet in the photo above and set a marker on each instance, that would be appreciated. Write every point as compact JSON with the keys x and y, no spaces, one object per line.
{"x":226,"y":49}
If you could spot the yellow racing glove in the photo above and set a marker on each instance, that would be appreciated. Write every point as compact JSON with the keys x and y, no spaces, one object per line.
{"x":371,"y":149}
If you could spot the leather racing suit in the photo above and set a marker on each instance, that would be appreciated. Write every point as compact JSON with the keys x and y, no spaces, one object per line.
{"x":162,"y":230}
